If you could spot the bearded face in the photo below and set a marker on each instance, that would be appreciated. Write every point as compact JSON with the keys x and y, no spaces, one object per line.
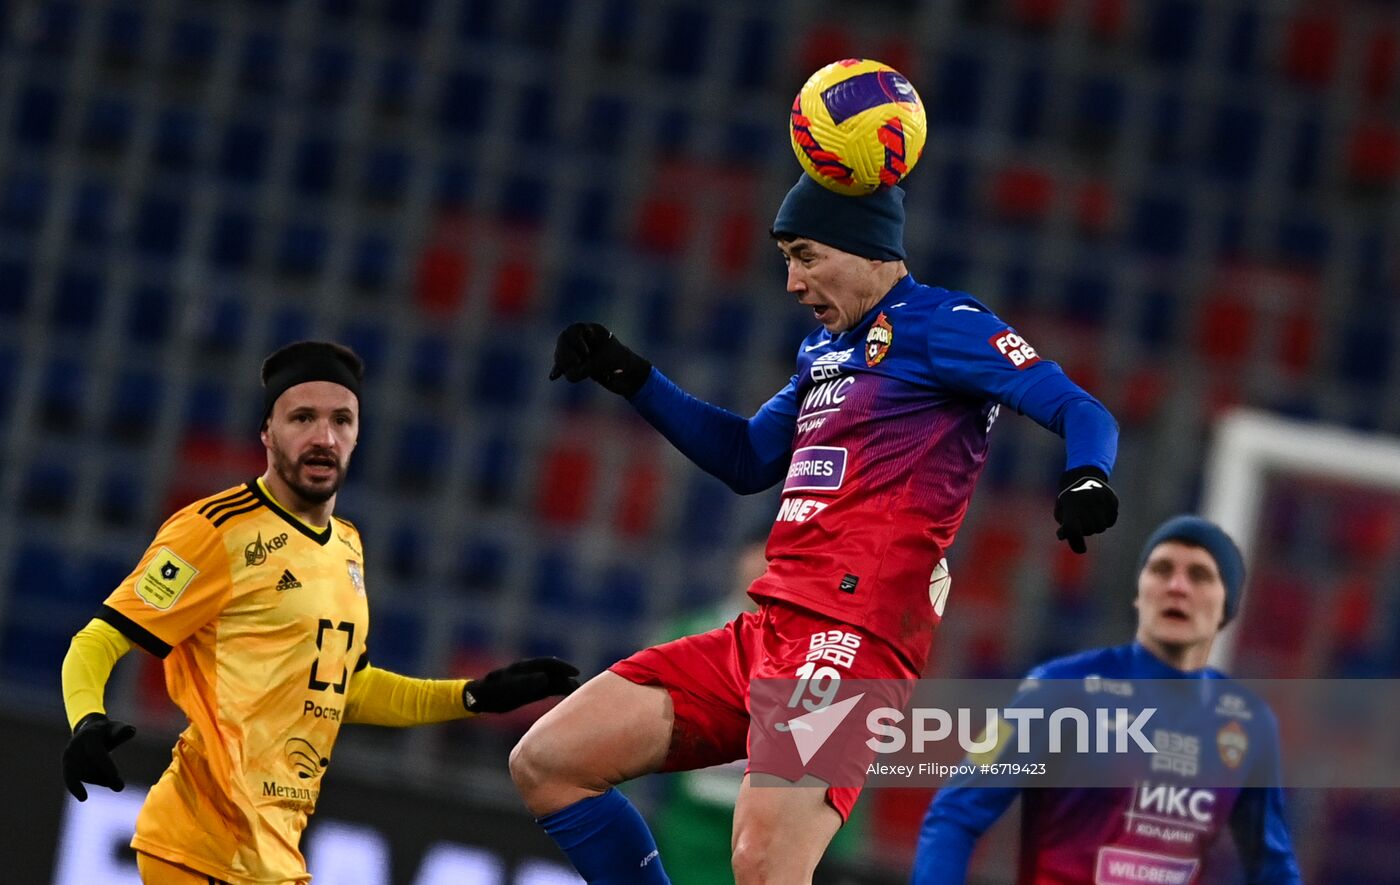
{"x":310,"y":436}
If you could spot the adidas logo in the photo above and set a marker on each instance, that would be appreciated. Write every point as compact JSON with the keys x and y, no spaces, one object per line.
{"x":289,"y":581}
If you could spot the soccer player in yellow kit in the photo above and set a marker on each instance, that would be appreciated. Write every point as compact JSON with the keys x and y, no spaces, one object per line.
{"x":255,"y":600}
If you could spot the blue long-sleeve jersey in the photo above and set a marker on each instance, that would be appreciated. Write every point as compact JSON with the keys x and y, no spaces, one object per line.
{"x":1156,"y":831}
{"x":879,"y":438}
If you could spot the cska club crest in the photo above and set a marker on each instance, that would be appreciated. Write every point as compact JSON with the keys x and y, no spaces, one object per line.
{"x":1233,"y":743}
{"x":878,"y":340}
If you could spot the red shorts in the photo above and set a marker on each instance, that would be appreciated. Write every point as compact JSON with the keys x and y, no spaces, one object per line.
{"x":708,"y":676}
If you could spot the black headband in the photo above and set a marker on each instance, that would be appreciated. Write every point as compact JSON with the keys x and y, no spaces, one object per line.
{"x":316,"y":366}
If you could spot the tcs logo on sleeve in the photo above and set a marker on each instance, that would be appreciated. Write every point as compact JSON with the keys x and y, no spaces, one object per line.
{"x":1016,"y":349}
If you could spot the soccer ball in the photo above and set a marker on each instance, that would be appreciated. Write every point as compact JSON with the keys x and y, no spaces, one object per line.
{"x":857,"y":126}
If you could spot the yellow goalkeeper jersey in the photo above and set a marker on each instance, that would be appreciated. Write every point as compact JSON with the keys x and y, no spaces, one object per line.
{"x":261,"y":619}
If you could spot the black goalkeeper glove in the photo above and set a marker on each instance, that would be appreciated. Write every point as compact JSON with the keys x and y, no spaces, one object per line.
{"x":588,"y":350}
{"x":87,"y":758}
{"x":1086,"y":506}
{"x":518,"y":684}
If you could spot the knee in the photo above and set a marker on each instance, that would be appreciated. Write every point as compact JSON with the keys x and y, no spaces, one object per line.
{"x":751,"y":857}
{"x":529,"y":764}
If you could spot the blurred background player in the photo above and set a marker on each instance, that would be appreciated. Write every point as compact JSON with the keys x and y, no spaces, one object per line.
{"x":255,"y":600}
{"x":881,"y":435}
{"x":1189,"y":584}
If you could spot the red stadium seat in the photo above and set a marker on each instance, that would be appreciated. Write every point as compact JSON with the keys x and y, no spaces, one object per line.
{"x":1310,"y":49}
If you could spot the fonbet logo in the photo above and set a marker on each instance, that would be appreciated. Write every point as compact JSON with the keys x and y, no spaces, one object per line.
{"x":1016,"y":349}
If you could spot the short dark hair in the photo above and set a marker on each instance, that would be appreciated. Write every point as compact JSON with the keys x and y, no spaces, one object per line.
{"x":305,"y":351}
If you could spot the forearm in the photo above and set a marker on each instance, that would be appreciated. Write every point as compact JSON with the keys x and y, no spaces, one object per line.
{"x":87,"y":666}
{"x":944,"y":852}
{"x":380,"y":697}
{"x":1089,"y":431}
{"x":719,"y":442}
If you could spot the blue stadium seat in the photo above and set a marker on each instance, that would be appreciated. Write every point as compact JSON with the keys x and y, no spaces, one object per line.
{"x":1233,"y":226}
{"x":605,"y":120}
{"x":243,"y":155}
{"x":37,"y":112}
{"x":1171,"y":32}
{"x":464,"y":103}
{"x":685,"y":38}
{"x":1241,"y":52}
{"x":1160,"y":225}
{"x":10,"y":368}
{"x":1166,"y":128}
{"x":368,"y":339}
{"x":482,"y":568}
{"x":1029,"y":103}
{"x":555,"y":583}
{"x":55,"y":27}
{"x":223,"y":325}
{"x":206,"y":407}
{"x":1236,"y":133}
{"x":302,"y":251}
{"x":535,"y":125}
{"x":730,"y":320}
{"x":407,"y":18}
{"x":753,"y":57}
{"x":134,"y":406}
{"x":747,"y":144}
{"x":544,"y":23}
{"x":1305,"y":158}
{"x":957,"y":92}
{"x":1304,"y":238}
{"x":1100,"y":106}
{"x":408,"y":552}
{"x":123,"y":30}
{"x":399,"y":77}
{"x":622,"y":594}
{"x":260,"y":63}
{"x":291,"y":324}
{"x":77,"y":300}
{"x":673,"y":127}
{"x":372,"y":263}
{"x":494,"y":469}
{"x":314,"y":166}
{"x":948,"y":267}
{"x":341,"y":9}
{"x":34,"y":654}
{"x":455,"y":185}
{"x":24,"y":201}
{"x":706,"y":509}
{"x":193,"y":46}
{"x":231,"y":239}
{"x":160,"y":226}
{"x":48,"y":489}
{"x":1017,"y":289}
{"x":330,"y":70}
{"x":396,"y":640}
{"x":386,"y":173}
{"x":176,"y":139}
{"x":107,"y":123}
{"x":41,"y":570}
{"x":524,"y":199}
{"x":1366,"y":351}
{"x":616,"y":26}
{"x":91,"y":220}
{"x":503,"y":376}
{"x":1157,"y":319}
{"x":420,"y":456}
{"x":657,"y":319}
{"x":593,"y":221}
{"x":478,"y":20}
{"x":1088,"y":291}
{"x":954,"y":190}
{"x":581,"y":296}
{"x":16,"y":276}
{"x":61,"y":396}
{"x":430,"y":365}
{"x":119,"y":498}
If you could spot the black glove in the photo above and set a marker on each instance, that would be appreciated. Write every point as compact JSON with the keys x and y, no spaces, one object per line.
{"x":1086,"y":506}
{"x":87,"y":758}
{"x":588,"y":350}
{"x":518,"y":684}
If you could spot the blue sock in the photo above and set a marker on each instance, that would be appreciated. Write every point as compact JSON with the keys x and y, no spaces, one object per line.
{"x":607,"y":841}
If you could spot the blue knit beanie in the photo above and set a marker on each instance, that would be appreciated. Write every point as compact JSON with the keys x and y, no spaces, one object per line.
{"x":871,"y":226}
{"x":1203,"y":533}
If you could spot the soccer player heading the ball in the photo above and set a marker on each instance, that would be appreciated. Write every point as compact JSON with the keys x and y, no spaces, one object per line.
{"x":1217,"y":761}
{"x":879,"y":438}
{"x":255,"y":599}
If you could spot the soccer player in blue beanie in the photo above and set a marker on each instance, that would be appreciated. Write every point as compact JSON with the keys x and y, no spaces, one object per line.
{"x":878,"y":438}
{"x":1189,"y":579}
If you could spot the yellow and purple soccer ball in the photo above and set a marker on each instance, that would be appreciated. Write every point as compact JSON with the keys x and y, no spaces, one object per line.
{"x":858,"y":125}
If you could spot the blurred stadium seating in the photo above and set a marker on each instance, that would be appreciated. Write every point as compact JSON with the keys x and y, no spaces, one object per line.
{"x":1191,"y":204}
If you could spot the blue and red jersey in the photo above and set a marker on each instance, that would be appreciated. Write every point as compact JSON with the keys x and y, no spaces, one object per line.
{"x":1217,"y":767}
{"x":878,"y":439}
